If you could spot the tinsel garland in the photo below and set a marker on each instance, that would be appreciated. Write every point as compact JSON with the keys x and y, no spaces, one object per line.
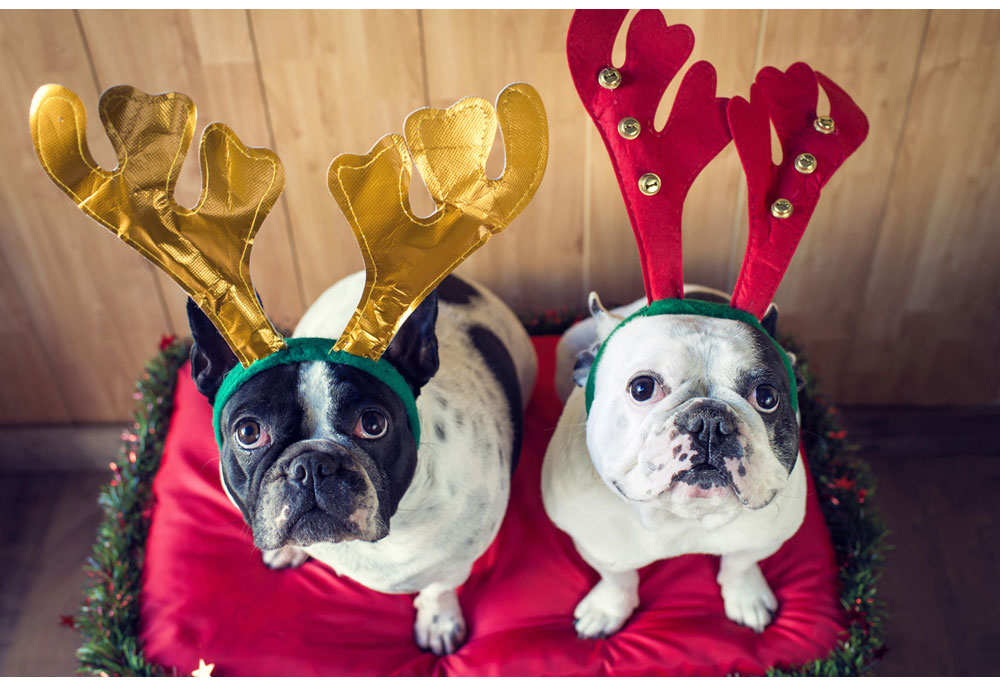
{"x":109,"y":618}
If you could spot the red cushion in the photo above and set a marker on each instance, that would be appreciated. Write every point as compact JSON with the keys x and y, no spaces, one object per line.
{"x":206,"y":594}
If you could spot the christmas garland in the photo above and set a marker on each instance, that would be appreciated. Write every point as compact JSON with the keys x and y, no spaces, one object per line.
{"x":109,"y":618}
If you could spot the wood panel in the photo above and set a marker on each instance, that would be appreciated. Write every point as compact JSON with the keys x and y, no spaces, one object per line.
{"x":927,"y":329}
{"x":895,"y":290}
{"x":84,"y":313}
{"x":872,"y":55}
{"x":336,"y":82}
{"x":728,"y":40}
{"x":208,"y":56}
{"x":546,"y":240}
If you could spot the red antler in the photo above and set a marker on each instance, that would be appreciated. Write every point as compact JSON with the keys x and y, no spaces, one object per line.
{"x":694,"y":134}
{"x":782,"y":198}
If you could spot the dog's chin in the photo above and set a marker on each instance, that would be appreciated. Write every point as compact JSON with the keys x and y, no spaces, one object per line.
{"x":315,"y":526}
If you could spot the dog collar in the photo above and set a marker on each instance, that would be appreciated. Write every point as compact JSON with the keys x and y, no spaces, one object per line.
{"x":316,"y":349}
{"x":677,"y":306}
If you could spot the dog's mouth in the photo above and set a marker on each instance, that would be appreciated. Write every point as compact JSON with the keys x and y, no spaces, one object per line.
{"x":334,"y":502}
{"x":705,"y":476}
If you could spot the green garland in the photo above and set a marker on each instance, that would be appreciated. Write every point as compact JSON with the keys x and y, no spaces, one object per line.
{"x":109,"y":618}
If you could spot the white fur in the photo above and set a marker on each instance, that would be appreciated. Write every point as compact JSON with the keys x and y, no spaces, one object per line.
{"x":453,"y":508}
{"x":606,"y":479}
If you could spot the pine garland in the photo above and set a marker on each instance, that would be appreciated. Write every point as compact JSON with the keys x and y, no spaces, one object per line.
{"x":109,"y":618}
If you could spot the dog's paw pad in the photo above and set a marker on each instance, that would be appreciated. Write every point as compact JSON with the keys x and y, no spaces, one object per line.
{"x":603,"y":611}
{"x":285,"y":557}
{"x":440,"y":627}
{"x":751,"y":603}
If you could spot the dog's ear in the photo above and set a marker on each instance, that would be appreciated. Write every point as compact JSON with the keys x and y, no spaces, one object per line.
{"x":584,"y":361}
{"x":605,"y":320}
{"x":211,"y":357}
{"x":800,"y":382}
{"x":414,"y":349}
{"x":770,"y":320}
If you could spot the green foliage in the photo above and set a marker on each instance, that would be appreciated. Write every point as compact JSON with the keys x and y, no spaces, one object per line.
{"x":109,"y":618}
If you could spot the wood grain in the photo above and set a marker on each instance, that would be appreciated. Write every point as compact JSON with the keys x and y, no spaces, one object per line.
{"x":872,"y":57}
{"x":926,"y":331}
{"x":546,"y":240}
{"x":207,"y":55}
{"x":93,"y":307}
{"x":336,"y":82}
{"x":894,"y":292}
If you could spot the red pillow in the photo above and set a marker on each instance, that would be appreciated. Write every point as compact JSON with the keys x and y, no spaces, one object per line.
{"x":207,"y":595}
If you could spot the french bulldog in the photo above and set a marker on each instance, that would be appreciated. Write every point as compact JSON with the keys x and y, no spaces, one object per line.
{"x":690,"y":446}
{"x":321,"y":461}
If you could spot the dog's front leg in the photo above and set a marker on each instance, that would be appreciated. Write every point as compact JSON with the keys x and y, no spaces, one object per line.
{"x":440,"y":625}
{"x":747,"y":597}
{"x":609,"y":604}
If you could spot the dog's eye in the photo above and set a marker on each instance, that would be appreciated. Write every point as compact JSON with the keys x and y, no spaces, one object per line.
{"x":764,"y":398}
{"x":249,"y":434}
{"x":645,"y":389}
{"x":371,"y":425}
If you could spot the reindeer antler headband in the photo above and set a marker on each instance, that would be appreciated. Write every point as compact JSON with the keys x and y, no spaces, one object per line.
{"x":207,"y":249}
{"x":655,"y":169}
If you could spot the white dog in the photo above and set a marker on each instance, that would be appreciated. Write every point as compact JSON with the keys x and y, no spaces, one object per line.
{"x":690,"y":446}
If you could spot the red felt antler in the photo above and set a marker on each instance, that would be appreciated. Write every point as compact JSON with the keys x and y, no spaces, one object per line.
{"x":694,"y":134}
{"x":782,"y":198}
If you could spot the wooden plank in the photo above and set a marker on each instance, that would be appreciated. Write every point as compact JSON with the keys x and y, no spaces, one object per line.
{"x":336,"y":82}
{"x":536,"y":263}
{"x":726,"y":39}
{"x":872,"y":55}
{"x":928,"y":325}
{"x":94,"y":306}
{"x":207,"y":55}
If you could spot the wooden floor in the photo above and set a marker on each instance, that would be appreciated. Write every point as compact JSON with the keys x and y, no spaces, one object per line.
{"x":939,"y":490}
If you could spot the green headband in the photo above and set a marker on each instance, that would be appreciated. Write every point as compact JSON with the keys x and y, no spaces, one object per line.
{"x":677,"y":306}
{"x":306,"y":349}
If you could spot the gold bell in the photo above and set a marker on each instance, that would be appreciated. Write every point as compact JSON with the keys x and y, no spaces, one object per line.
{"x":781,"y":208}
{"x":629,"y":128}
{"x":610,"y":78}
{"x":806,"y":163}
{"x":824,"y":125}
{"x":649,"y":184}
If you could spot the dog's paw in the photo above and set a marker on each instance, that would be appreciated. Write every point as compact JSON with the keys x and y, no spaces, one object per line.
{"x":604,"y":610}
{"x":749,"y":600}
{"x":285,"y":557}
{"x":440,"y":626}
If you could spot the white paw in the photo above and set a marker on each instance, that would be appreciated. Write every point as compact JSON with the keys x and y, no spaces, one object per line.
{"x":440,"y":627}
{"x":285,"y":557}
{"x":604,"y":610}
{"x":749,"y":601}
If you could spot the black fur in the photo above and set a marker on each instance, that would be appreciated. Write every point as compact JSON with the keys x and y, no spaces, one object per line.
{"x":501,"y":365}
{"x":452,"y":289}
{"x":211,"y":357}
{"x":414,"y":350}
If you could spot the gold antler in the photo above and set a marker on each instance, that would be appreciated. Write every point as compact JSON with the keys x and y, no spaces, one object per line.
{"x":405,"y":256}
{"x":207,"y":249}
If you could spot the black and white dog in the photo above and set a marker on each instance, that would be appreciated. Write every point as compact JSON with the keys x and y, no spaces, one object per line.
{"x":690,"y":446}
{"x":320,"y":458}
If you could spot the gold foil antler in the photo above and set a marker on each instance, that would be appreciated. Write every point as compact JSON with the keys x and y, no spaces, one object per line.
{"x":206,"y":249}
{"x":406,"y":257}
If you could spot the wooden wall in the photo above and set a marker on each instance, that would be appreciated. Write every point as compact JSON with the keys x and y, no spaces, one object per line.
{"x":895,"y":290}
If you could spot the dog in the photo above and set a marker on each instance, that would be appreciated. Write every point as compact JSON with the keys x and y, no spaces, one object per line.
{"x":321,"y":461}
{"x":690,"y":446}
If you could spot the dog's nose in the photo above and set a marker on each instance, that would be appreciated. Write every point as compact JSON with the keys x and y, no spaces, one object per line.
{"x":310,"y":470}
{"x":710,"y":422}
